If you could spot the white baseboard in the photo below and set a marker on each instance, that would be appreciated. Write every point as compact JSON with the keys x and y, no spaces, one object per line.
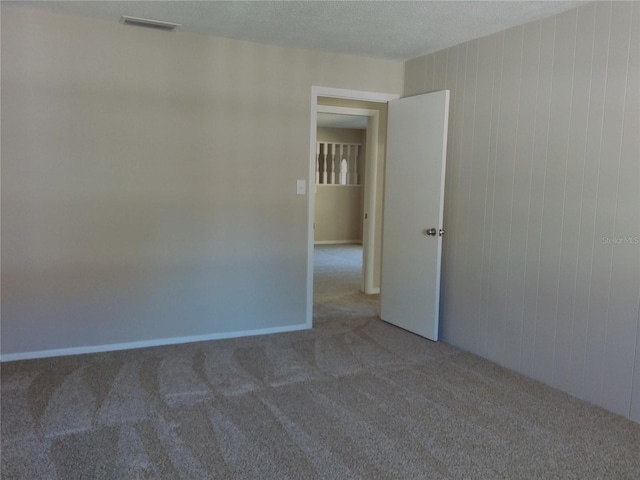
{"x":373,"y":291}
{"x":338,"y":242}
{"x":59,"y":352}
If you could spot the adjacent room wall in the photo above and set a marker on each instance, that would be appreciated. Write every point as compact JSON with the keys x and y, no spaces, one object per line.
{"x":338,"y":208}
{"x":338,"y":214}
{"x":149,"y":181}
{"x":541,"y":269}
{"x":344,"y":135}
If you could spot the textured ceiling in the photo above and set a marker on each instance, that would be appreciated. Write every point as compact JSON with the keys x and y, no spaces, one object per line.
{"x":396,"y":30}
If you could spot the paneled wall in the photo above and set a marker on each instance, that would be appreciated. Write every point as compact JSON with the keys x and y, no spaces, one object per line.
{"x":541,"y":265}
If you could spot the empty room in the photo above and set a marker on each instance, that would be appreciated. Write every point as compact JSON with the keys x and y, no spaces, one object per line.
{"x":165,"y":313}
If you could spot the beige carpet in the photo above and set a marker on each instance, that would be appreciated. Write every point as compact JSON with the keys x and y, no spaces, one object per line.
{"x":352,"y":398}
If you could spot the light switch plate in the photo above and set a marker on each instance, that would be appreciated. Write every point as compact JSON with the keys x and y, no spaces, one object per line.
{"x":301,"y":187}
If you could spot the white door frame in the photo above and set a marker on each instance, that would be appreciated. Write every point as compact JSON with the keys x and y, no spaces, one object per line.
{"x":370,"y":177}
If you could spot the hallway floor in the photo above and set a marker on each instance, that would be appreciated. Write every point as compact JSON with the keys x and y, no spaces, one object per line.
{"x":337,"y":279}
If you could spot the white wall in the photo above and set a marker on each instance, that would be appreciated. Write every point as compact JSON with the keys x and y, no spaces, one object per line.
{"x":148,"y":180}
{"x":543,"y":169}
{"x":342,"y":135}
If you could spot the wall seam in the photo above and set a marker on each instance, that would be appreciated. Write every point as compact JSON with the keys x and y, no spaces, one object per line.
{"x":636,"y":355}
{"x":564,"y":199}
{"x":471,"y":160}
{"x":544,"y":188}
{"x":513,"y":186}
{"x":457,"y":161}
{"x":613,"y":247}
{"x":493,"y":190}
{"x":486,"y":190}
{"x":535,"y":120}
{"x":584,"y":174}
{"x":604,"y":95}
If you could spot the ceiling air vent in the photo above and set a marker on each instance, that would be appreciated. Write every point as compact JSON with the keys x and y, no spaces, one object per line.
{"x":145,"y":22}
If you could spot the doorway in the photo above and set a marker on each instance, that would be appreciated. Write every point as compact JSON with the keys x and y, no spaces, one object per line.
{"x":336,"y":277}
{"x":342,"y":156}
{"x":321,"y":100}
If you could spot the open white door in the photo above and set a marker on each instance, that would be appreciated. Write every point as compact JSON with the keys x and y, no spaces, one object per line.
{"x":413,"y":205}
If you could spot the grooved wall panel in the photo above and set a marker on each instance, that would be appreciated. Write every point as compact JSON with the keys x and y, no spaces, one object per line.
{"x":541,"y":266}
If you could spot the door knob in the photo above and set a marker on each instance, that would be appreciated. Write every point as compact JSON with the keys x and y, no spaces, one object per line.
{"x":429,"y":231}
